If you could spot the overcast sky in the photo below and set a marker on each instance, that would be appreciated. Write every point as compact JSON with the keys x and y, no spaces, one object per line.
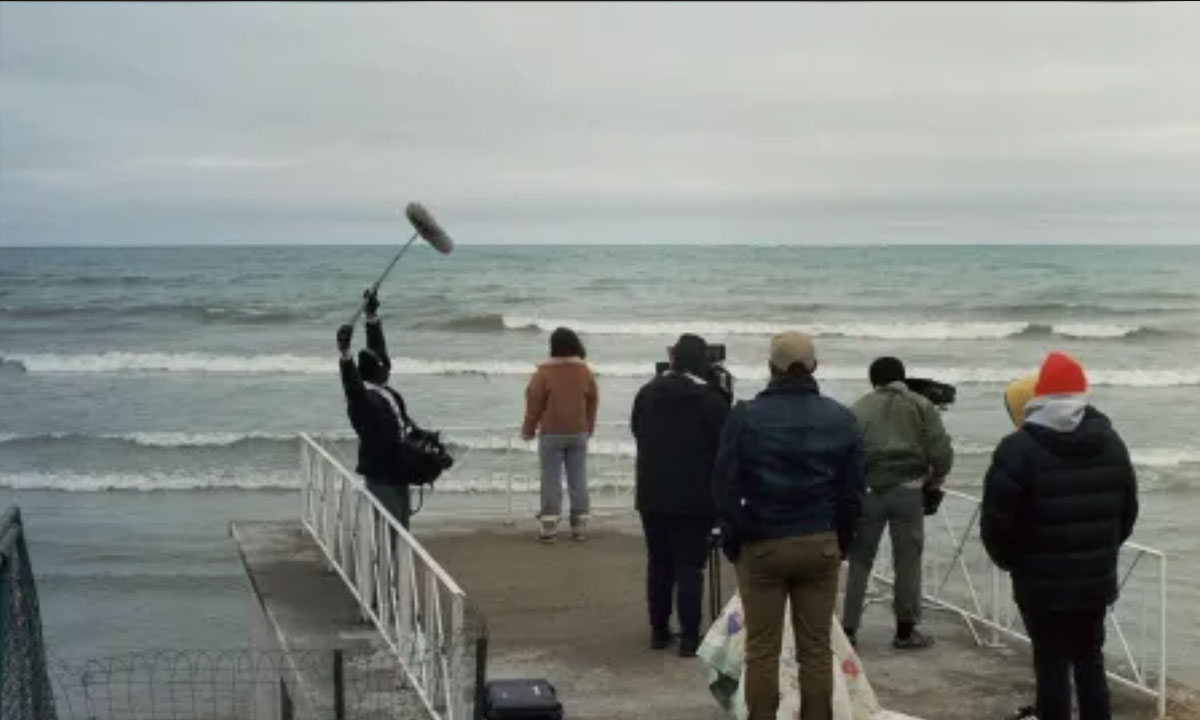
{"x":809,"y":123}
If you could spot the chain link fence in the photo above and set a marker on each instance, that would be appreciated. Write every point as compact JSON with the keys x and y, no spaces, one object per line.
{"x":25,"y":691}
{"x":234,"y":685}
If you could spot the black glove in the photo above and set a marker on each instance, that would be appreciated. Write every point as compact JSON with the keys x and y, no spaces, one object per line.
{"x":931,"y":497}
{"x":344,"y":334}
{"x":371,"y":302}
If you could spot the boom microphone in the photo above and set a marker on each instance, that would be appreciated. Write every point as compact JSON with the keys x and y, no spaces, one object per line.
{"x":428,"y":228}
{"x":425,"y":227}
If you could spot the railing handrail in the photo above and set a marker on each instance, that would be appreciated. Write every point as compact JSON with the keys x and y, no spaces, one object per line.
{"x":421,"y":552}
{"x":991,"y":618}
{"x":1128,"y":543}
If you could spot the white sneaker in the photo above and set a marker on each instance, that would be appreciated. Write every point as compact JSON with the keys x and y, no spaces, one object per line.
{"x":548,"y":528}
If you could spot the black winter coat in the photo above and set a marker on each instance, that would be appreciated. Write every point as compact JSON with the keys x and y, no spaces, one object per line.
{"x":1056,"y":508}
{"x":377,"y":425}
{"x":677,"y":424}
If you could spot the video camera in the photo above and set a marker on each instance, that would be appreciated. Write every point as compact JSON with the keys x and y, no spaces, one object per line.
{"x":715,"y":374}
{"x":940,"y":394}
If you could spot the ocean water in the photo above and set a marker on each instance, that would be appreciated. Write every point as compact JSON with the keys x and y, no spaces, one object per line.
{"x":150,"y":396}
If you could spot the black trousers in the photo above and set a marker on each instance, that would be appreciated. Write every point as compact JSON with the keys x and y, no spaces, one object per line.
{"x":678,"y":551}
{"x":1062,"y":642}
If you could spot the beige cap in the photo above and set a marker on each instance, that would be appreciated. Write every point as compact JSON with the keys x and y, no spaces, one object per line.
{"x":788,"y":348}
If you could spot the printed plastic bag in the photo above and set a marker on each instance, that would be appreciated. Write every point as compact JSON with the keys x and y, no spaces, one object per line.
{"x":723,"y":651}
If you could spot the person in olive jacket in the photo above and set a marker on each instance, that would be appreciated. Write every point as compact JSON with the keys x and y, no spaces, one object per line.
{"x":1060,"y":498}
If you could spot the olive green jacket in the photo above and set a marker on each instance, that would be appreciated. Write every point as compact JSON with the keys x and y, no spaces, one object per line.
{"x":904,"y":440}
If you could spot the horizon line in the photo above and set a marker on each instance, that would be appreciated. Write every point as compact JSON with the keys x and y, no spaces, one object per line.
{"x":823,"y":246}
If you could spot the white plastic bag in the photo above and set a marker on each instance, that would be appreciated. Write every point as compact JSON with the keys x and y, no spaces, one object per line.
{"x":723,"y":650}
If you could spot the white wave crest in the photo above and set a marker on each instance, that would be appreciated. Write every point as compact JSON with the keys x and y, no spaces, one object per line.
{"x":147,"y":482}
{"x":176,"y":439}
{"x":197,"y":363}
{"x":1143,"y":457}
{"x":927,"y":330}
{"x":934,"y":330}
{"x":1164,"y":457}
{"x":1098,"y":331}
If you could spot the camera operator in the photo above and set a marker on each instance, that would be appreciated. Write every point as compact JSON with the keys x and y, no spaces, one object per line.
{"x":908,"y":455}
{"x":676,"y":421}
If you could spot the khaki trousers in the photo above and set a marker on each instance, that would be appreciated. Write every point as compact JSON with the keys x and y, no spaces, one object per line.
{"x":802,"y":569}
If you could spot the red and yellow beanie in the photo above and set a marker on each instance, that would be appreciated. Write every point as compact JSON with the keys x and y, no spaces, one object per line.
{"x":1061,"y":374}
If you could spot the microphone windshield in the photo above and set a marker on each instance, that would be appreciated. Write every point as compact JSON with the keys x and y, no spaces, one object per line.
{"x":428,"y":228}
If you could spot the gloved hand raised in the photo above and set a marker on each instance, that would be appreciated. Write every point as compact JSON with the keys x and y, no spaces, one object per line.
{"x":344,"y":333}
{"x":370,"y":302}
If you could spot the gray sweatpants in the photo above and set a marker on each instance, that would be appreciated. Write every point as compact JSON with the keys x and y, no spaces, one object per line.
{"x":902,"y":510}
{"x":555,"y":452}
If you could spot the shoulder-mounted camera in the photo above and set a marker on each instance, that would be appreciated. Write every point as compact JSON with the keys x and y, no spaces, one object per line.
{"x":940,"y":394}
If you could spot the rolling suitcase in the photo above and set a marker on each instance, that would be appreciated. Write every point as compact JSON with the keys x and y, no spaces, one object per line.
{"x":522,"y":700}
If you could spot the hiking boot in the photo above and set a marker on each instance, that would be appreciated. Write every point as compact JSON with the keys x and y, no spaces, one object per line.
{"x":660,"y":639}
{"x":548,"y":529}
{"x":916,"y":640}
{"x":688,"y":646}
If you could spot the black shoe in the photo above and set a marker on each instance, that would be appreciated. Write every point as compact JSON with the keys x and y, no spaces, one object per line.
{"x":688,"y":647}
{"x":916,"y":640}
{"x":660,"y":639}
{"x":1025,"y":713}
{"x":852,"y":636}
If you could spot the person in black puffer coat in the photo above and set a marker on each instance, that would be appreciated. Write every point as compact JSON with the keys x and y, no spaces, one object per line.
{"x":676,"y":420}
{"x":1060,"y":498}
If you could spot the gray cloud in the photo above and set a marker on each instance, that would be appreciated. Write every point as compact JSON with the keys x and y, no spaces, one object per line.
{"x":605,"y":122}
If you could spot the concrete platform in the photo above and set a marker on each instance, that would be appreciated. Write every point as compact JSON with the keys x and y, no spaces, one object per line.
{"x":575,"y":613}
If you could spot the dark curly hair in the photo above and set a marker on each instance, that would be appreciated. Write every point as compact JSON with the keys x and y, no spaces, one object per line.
{"x":565,"y":343}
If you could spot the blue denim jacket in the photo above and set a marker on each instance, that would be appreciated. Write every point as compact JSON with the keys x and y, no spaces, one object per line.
{"x":790,"y":463}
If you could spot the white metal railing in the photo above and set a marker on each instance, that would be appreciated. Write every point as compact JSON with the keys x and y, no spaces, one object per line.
{"x":958,"y":577}
{"x":413,"y":602}
{"x":510,"y":466}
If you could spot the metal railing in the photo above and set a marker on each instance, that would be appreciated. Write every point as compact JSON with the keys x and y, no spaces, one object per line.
{"x":509,"y":465}
{"x":418,"y":609}
{"x":958,"y":577}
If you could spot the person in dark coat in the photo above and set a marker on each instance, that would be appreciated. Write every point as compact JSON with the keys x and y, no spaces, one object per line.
{"x":676,"y":421}
{"x":1059,"y":500}
{"x":377,"y":414}
{"x":789,"y":483}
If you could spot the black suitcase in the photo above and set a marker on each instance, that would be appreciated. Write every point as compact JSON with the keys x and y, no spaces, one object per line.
{"x":522,"y":700}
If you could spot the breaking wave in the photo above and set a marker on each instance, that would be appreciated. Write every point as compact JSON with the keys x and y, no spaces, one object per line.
{"x":930,"y":330}
{"x":199,"y":313}
{"x":284,"y":364}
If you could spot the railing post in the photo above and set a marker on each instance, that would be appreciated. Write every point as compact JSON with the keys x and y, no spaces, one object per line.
{"x":1162,"y":636}
{"x":339,"y":686}
{"x":994,"y":581}
{"x":508,"y":478}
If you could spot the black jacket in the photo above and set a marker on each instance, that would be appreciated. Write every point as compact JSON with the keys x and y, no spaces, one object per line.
{"x":790,"y":463}
{"x":1056,"y":508}
{"x":677,"y":423}
{"x":378,"y":427}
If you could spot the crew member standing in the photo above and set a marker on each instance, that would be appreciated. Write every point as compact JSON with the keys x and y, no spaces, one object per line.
{"x":676,"y":421}
{"x":377,"y":413}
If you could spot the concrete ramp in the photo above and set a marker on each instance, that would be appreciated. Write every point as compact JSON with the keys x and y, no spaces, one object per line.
{"x":300,"y":614}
